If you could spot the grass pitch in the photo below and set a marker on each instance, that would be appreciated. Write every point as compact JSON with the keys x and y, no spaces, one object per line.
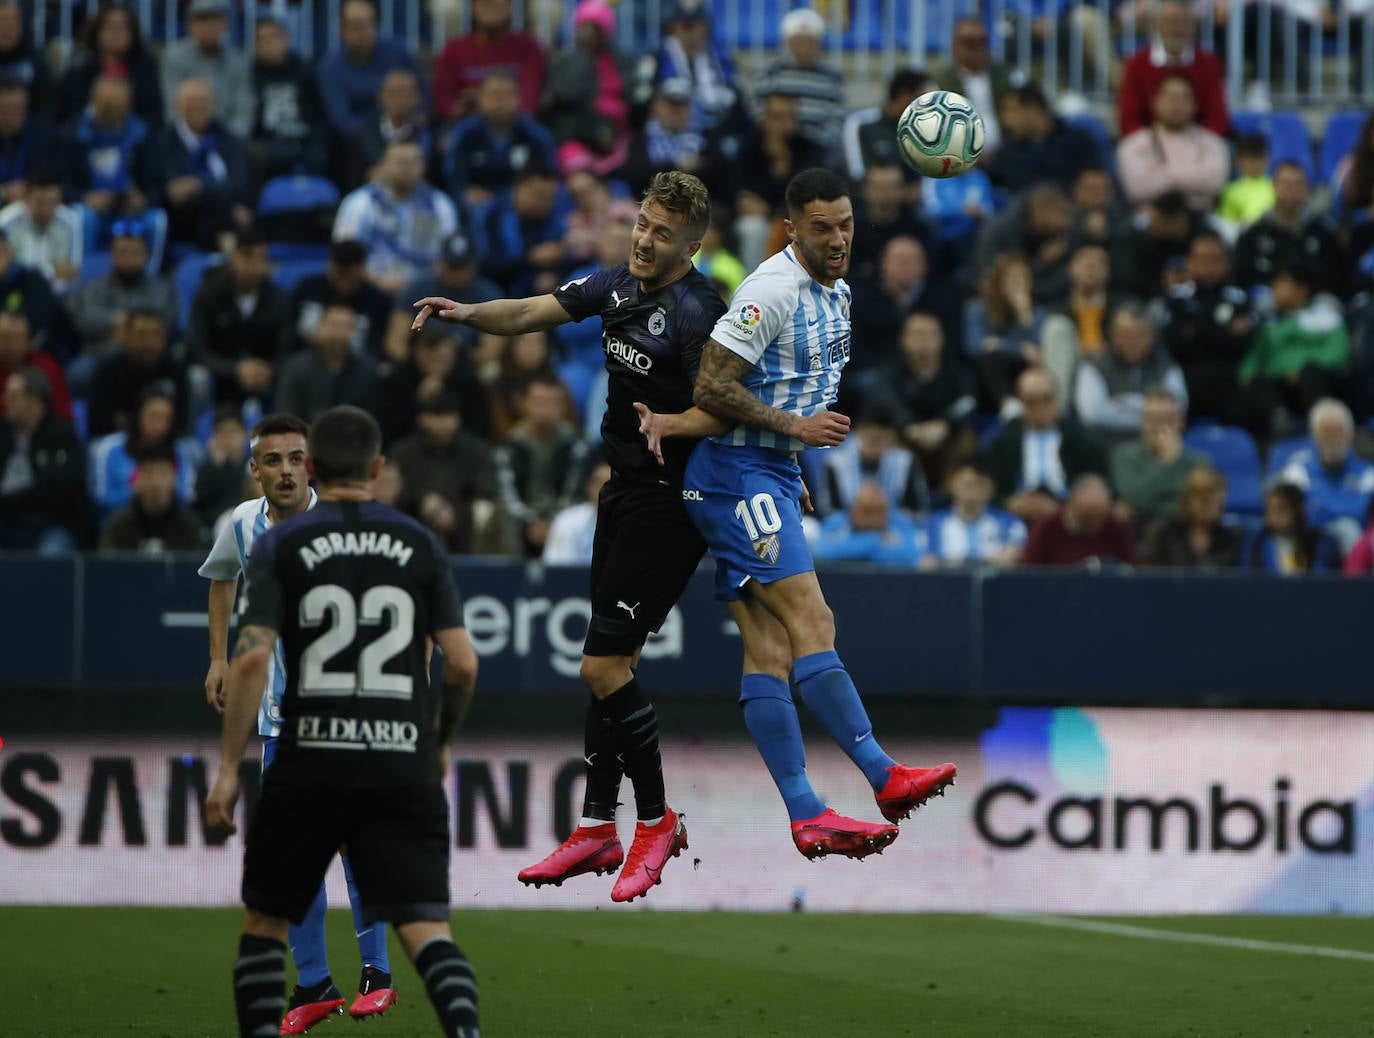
{"x":607,"y":974}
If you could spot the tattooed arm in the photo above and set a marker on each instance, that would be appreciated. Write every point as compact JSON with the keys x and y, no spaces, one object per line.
{"x":242,"y":693}
{"x":720,"y":392}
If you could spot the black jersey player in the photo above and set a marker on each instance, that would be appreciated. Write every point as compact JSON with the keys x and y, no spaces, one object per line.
{"x":657,"y":312}
{"x":353,"y":588}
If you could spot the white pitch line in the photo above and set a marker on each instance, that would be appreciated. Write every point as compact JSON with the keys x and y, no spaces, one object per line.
{"x":1217,"y":940}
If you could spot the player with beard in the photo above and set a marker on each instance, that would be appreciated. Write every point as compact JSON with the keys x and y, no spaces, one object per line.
{"x":278,"y":445}
{"x":766,"y":383}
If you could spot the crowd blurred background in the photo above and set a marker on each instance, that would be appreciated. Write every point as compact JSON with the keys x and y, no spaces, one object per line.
{"x":1136,"y":334}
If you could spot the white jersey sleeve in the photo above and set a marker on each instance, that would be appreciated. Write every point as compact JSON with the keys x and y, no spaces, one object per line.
{"x":759,"y":310}
{"x":224,"y":561}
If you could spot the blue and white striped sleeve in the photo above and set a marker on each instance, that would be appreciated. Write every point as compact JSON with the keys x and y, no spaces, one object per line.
{"x":758,"y":312}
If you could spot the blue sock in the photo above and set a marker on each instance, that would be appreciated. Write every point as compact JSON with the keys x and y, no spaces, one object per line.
{"x":771,"y":718}
{"x":371,"y":936}
{"x":829,"y":692}
{"x":307,"y":944}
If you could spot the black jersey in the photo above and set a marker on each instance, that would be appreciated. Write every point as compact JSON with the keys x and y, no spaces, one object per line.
{"x":353,"y":588}
{"x":653,"y":343}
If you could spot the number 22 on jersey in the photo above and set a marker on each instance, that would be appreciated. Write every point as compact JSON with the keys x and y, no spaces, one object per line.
{"x":378,"y":606}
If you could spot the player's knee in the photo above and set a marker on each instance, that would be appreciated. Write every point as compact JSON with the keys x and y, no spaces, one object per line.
{"x":605,"y":674}
{"x":260,"y":924}
{"x":772,"y":658}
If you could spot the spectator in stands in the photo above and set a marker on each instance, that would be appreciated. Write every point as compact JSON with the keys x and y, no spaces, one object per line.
{"x":42,"y":471}
{"x":344,"y":282}
{"x":520,"y":236}
{"x":1353,"y":187}
{"x":1037,"y":145}
{"x":21,"y":59}
{"x":593,"y":207}
{"x":205,"y":54}
{"x":670,"y":138}
{"x":1036,"y":226}
{"x":101,"y":305}
{"x":1036,"y":457}
{"x":112,"y":47}
{"x":44,"y":234}
{"x":1251,"y":194}
{"x":448,"y":476}
{"x":714,"y":259}
{"x":882,"y":212}
{"x":539,"y":463}
{"x":1149,"y":473}
{"x":871,"y":530}
{"x":289,"y":134}
{"x":972,"y":72}
{"x":1173,"y":51}
{"x":486,"y":150}
{"x":26,"y":291}
{"x":121,"y":378}
{"x":801,"y":73}
{"x":154,"y":522}
{"x":207,"y":193}
{"x":688,"y":51}
{"x":1149,"y":257}
{"x":114,"y":458}
{"x":520,"y":360}
{"x":587,"y":97}
{"x":880,"y":307}
{"x":1207,"y":326}
{"x":329,"y":373}
{"x":350,"y":77}
{"x":872,"y":453}
{"x":1286,"y":544}
{"x":1337,"y":483}
{"x":970,"y":530}
{"x":573,"y":529}
{"x":870,"y":135}
{"x":1299,"y":358}
{"x":768,"y":158}
{"x":240,"y":324}
{"x":439,"y":363}
{"x":17,"y":352}
{"x":1002,"y":329}
{"x":1195,"y":536}
{"x":1083,"y":531}
{"x":219,"y":478}
{"x":1110,"y":387}
{"x":1078,"y":329}
{"x":1289,"y":234}
{"x":111,"y":161}
{"x":28,"y":142}
{"x":465,"y":61}
{"x":1097,"y":209}
{"x":456,"y":276}
{"x":1173,"y":153}
{"x":1360,"y":560}
{"x":398,"y":218}
{"x":401,"y":115}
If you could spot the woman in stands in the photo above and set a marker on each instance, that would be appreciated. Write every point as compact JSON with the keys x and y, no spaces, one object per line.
{"x":1286,"y":544}
{"x":1196,"y":537}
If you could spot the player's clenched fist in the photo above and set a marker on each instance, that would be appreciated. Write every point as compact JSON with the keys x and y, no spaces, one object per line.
{"x":822,"y":429}
{"x":219,"y":805}
{"x":444,"y":309}
{"x":214,"y":684}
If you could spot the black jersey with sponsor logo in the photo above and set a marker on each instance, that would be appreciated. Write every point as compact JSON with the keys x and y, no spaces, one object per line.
{"x":353,"y":588}
{"x":653,"y":343}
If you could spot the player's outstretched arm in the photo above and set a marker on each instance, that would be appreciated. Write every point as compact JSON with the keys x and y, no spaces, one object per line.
{"x":499,"y":316}
{"x":720,"y":391}
{"x":460,"y":676}
{"x":242,"y":692}
{"x":694,"y":421}
{"x":221,"y":606}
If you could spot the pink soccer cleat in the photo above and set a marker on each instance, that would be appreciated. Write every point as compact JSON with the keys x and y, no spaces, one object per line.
{"x":376,"y":994}
{"x":652,"y":847}
{"x":909,"y":788}
{"x":309,"y":1006}
{"x":592,"y":849}
{"x":831,"y":833}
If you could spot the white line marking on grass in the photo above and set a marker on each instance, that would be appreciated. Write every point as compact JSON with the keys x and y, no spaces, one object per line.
{"x":1217,"y":940}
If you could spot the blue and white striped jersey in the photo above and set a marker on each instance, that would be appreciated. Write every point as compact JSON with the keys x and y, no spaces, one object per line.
{"x":952,"y":539}
{"x":228,"y":560}
{"x":795,"y":332}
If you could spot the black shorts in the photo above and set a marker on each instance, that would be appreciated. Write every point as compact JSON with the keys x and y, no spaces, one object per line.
{"x":397,"y":841}
{"x":644,"y":552}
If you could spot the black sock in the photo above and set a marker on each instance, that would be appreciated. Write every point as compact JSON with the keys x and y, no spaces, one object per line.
{"x":452,"y":987}
{"x":634,"y":727}
{"x":602,"y":794}
{"x":260,"y":986}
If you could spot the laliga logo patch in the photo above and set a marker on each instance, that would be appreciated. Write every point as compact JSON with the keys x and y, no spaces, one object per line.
{"x":747,"y":319}
{"x":767,"y":549}
{"x":658,"y":320}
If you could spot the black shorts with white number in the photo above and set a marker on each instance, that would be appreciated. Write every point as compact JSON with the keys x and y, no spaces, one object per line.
{"x":396,"y":839}
{"x":644,"y":552}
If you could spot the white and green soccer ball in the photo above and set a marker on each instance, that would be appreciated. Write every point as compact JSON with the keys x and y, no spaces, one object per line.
{"x":940,"y":134}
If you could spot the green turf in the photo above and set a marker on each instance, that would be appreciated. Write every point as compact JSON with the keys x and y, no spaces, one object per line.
{"x":147,"y":972}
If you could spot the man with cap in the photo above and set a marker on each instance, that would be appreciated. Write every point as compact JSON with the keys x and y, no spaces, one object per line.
{"x":43,"y":503}
{"x":343,"y":282}
{"x":801,"y":73}
{"x":205,"y":54}
{"x":458,"y":276}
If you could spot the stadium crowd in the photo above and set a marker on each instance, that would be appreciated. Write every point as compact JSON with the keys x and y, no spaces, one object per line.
{"x":1149,"y":350}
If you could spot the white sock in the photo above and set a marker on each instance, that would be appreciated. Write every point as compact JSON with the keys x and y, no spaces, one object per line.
{"x":588,"y":822}
{"x":652,"y":821}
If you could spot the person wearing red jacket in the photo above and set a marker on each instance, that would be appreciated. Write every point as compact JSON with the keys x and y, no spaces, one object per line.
{"x":1084,"y":531}
{"x":1172,"y":51}
{"x":16,"y":351}
{"x":466,"y":60}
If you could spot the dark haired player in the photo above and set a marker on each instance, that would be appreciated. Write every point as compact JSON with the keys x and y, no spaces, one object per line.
{"x":657,"y":312}
{"x":353,"y":588}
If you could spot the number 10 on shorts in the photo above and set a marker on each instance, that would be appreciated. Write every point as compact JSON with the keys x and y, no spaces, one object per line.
{"x":759,"y":514}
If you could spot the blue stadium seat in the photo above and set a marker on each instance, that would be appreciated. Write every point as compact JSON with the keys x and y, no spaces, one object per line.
{"x":1338,"y":140}
{"x":93,"y":265}
{"x":288,"y":274}
{"x":1093,"y":124}
{"x":298,"y":252}
{"x":297,"y":194}
{"x":1286,"y":133}
{"x":187,"y":278}
{"x":1233,"y":453}
{"x":1282,"y":452}
{"x":80,"y":417}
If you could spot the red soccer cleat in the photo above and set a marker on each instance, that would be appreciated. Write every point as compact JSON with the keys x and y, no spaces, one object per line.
{"x":375,"y":994}
{"x":593,"y":849}
{"x":909,"y":788}
{"x":309,"y":1006}
{"x":831,"y":833}
{"x":653,"y":846}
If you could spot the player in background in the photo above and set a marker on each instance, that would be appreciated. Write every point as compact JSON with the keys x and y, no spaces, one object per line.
{"x":767,"y":379}
{"x":278,"y":446}
{"x":353,"y":589}
{"x":657,"y":312}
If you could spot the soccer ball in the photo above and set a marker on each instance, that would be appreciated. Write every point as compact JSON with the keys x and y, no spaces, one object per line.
{"x":940,"y":135}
